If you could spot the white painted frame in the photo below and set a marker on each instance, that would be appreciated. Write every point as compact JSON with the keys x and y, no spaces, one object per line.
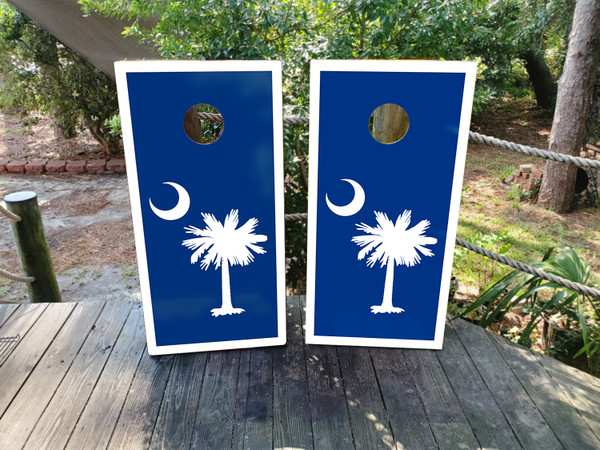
{"x":122,"y":68}
{"x":470,"y":71}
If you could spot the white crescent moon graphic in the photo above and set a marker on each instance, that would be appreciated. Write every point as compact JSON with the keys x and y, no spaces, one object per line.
{"x":354,"y":206}
{"x":180,"y":209}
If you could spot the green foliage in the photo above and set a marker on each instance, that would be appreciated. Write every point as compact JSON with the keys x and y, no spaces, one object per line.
{"x":492,"y":33}
{"x":541,"y":299}
{"x":42,"y":75}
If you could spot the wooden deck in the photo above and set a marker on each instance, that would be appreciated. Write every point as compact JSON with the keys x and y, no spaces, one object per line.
{"x":79,"y":377}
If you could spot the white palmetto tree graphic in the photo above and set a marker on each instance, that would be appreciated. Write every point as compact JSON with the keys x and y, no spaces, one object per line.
{"x":224,"y":245}
{"x":393,"y":245}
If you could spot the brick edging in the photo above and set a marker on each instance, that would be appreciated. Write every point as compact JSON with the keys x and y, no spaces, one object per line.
{"x":40,"y":166}
{"x":527,"y":177}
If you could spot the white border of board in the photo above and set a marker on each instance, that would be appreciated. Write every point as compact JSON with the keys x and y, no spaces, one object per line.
{"x":122,"y":68}
{"x":470,"y":71}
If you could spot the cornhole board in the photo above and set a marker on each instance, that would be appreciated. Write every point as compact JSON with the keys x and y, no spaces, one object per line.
{"x":208,"y":218}
{"x":383,"y":216}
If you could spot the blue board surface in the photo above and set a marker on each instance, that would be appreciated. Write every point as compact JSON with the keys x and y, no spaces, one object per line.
{"x":233,"y":192}
{"x":408,"y":191}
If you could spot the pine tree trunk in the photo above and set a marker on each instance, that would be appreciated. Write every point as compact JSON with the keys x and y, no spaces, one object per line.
{"x":572,"y":104}
{"x":544,"y":86}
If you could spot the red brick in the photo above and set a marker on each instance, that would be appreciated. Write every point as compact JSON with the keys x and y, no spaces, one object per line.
{"x":16,"y":166}
{"x":526,"y":168}
{"x":116,"y":165}
{"x":527,"y":186}
{"x":526,"y":175}
{"x":37,"y":166}
{"x":76,"y":166}
{"x":57,"y":166}
{"x":3,"y":163}
{"x":537,"y":173}
{"x":96,"y":166}
{"x":517,"y":173}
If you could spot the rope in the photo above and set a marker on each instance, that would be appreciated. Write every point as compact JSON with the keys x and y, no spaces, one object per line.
{"x":575,"y":160}
{"x":295,"y":120}
{"x":592,"y":292}
{"x":287,"y":120}
{"x":299,"y":216}
{"x":210,"y":116}
{"x":586,"y":290}
{"x":6,"y":213}
{"x":14,"y":277}
{"x":481,"y":138}
{"x":561,"y":157}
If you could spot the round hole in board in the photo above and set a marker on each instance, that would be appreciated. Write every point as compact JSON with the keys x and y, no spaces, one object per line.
{"x":203,"y":123}
{"x":388,"y":123}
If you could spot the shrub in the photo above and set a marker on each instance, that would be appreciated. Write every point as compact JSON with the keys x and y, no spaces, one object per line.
{"x":541,"y":299}
{"x":42,"y":75}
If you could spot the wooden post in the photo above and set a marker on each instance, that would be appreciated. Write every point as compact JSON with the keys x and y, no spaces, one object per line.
{"x":32,"y":246}
{"x":390,"y":123}
{"x":193,"y":125}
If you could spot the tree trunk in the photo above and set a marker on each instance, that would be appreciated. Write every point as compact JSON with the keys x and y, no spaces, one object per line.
{"x":544,"y":86}
{"x":389,"y":284}
{"x":225,"y":285}
{"x":572,"y":104}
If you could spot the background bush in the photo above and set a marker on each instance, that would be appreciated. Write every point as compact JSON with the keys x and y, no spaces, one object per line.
{"x":40,"y":75}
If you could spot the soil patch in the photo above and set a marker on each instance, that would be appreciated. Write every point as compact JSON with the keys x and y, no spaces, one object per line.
{"x":100,"y":244}
{"x":82,"y":202}
{"x":38,"y":138}
{"x":519,"y":121}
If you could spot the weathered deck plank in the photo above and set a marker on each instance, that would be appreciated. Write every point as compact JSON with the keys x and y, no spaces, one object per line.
{"x":291,"y":410}
{"x":34,"y":341}
{"x":479,"y":406}
{"x":576,"y":386}
{"x":408,"y":419}
{"x":368,"y":417}
{"x":254,"y":410}
{"x":329,"y":413}
{"x":24,"y":412}
{"x":215,"y":413}
{"x":446,"y":417}
{"x":529,"y":425}
{"x":140,"y":411}
{"x":562,"y":417}
{"x":100,"y":415}
{"x":62,"y":413}
{"x":6,"y":311}
{"x":177,"y":414}
{"x":80,"y":377}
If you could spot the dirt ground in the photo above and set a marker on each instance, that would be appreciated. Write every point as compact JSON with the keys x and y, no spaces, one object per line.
{"x":88,"y":227}
{"x":87,"y":218}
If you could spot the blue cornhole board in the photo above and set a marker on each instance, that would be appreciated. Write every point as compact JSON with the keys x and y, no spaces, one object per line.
{"x":383,"y":217}
{"x":208,"y":218}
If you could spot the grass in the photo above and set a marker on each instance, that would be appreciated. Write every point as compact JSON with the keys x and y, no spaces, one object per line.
{"x":496,"y":219}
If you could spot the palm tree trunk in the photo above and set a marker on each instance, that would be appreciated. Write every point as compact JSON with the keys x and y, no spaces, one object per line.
{"x":389,"y":284}
{"x":225,"y":285}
